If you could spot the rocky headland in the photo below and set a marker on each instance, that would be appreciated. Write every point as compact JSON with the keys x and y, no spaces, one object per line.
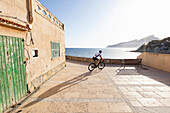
{"x":156,"y":46}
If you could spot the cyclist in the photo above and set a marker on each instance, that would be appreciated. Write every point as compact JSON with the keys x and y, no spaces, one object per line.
{"x":95,"y":58}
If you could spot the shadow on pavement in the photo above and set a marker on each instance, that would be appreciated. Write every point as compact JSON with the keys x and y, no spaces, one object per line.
{"x":155,"y":74}
{"x":62,"y":86}
{"x":152,"y":73}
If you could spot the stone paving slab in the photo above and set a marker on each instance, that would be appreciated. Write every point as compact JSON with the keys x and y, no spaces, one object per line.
{"x":76,"y":90}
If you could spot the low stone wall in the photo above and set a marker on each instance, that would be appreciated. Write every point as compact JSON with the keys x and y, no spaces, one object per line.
{"x":156,"y":60}
{"x":107,"y":61}
{"x":36,"y":83}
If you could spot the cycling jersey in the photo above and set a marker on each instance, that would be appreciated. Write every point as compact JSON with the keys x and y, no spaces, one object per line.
{"x":97,"y":55}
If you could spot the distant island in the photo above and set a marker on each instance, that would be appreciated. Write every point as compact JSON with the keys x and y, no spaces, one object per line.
{"x":134,"y":43}
{"x":156,"y":46}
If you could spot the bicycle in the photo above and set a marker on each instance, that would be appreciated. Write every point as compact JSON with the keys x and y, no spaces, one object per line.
{"x":93,"y":65}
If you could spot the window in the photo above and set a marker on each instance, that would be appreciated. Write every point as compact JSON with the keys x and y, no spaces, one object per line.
{"x":55,"y":49}
{"x":35,"y":53}
{"x":44,"y":12}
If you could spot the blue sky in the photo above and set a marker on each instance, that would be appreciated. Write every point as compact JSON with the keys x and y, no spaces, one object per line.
{"x":98,"y":23}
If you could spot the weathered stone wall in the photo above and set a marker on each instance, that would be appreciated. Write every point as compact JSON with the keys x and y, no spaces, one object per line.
{"x":107,"y":61}
{"x":43,"y":29}
{"x":15,"y":8}
{"x":36,"y":83}
{"x":156,"y":60}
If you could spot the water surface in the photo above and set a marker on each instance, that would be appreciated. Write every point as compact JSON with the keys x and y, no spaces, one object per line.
{"x":111,"y":53}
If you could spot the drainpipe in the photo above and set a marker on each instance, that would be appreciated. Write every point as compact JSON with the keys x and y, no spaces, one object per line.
{"x":30,"y":7}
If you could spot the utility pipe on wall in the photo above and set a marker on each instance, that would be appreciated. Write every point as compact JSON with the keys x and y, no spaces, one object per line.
{"x":30,"y":3}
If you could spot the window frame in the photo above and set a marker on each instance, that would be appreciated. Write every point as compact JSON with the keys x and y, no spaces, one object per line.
{"x":55,"y":49}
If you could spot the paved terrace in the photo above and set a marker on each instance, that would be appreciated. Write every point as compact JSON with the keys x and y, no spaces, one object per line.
{"x":75,"y":89}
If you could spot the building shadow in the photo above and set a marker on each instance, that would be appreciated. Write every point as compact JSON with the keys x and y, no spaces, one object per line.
{"x":152,"y":73}
{"x":155,"y":74}
{"x":58,"y":88}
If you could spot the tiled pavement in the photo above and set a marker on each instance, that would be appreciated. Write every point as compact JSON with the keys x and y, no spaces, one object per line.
{"x":76,"y":90}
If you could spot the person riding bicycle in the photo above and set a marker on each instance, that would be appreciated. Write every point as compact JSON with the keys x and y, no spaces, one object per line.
{"x":95,"y":58}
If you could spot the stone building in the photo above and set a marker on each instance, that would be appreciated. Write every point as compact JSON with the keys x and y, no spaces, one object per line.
{"x":32,"y":48}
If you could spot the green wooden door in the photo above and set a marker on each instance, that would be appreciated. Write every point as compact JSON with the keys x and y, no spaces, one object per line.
{"x":12,"y":72}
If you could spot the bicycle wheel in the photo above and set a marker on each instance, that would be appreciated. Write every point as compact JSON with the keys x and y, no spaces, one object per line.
{"x":91,"y":66}
{"x":101,"y":65}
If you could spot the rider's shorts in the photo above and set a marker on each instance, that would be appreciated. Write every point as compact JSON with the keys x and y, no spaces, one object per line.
{"x":95,"y":59}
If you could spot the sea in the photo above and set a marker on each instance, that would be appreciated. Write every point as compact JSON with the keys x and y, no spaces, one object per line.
{"x":110,"y":53}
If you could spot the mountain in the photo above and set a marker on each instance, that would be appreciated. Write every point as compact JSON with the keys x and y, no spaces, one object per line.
{"x":156,"y":46}
{"x":134,"y":43}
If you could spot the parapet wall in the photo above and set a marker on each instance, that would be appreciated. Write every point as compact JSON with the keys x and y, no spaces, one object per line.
{"x":107,"y":61}
{"x":156,"y":60}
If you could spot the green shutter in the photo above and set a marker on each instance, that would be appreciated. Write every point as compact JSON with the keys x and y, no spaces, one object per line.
{"x":58,"y":49}
{"x":12,"y":72}
{"x":55,"y":49}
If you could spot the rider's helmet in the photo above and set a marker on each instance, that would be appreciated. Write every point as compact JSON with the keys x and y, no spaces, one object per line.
{"x":100,"y":51}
